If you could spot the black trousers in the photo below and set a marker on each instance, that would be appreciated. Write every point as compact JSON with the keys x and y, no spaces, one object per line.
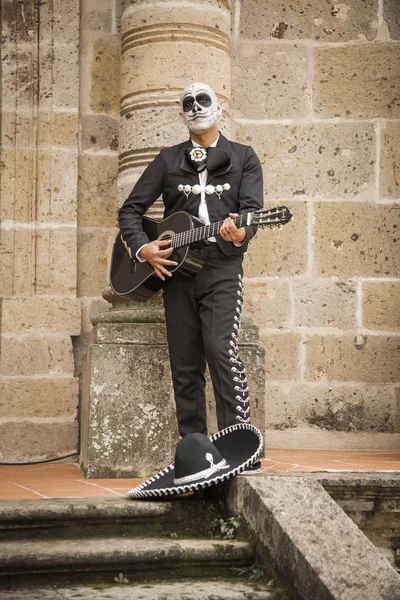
{"x":203,"y":320}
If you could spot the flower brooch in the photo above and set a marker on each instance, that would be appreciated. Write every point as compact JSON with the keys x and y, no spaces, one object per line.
{"x":209,"y":189}
{"x":198,"y":154}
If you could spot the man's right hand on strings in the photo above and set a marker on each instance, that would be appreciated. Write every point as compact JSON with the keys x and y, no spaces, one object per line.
{"x":155,"y":253}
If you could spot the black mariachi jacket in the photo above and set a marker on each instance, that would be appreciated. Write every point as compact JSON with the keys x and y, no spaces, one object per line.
{"x":229,"y":162}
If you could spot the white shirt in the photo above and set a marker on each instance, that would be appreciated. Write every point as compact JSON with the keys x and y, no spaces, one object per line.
{"x":203,"y":210}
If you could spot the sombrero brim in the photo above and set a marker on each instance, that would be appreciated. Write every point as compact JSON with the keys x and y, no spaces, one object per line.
{"x":240,"y":445}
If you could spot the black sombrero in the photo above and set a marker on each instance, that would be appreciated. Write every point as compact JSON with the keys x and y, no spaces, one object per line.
{"x":201,"y":462}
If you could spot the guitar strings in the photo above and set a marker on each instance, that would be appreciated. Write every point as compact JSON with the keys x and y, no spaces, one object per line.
{"x":196,"y":234}
{"x":199,"y":233}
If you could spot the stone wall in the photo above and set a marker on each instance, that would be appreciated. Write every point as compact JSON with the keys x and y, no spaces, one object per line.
{"x":313,"y":87}
{"x":40,"y":311}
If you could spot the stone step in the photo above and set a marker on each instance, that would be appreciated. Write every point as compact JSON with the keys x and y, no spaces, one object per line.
{"x":65,"y":518}
{"x":102,"y":559}
{"x":181,"y":590}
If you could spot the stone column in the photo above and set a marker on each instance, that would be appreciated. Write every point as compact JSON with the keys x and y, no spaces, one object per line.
{"x":165,"y":46}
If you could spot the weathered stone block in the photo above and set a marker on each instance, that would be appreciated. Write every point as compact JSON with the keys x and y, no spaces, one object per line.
{"x":369,"y":359}
{"x":97,"y":15}
{"x":130,"y":333}
{"x":305,"y":19}
{"x":58,"y":19}
{"x":267,"y":303}
{"x":16,"y":129}
{"x":58,"y":129}
{"x":52,"y":129}
{"x":19,"y":79}
{"x":56,"y":186}
{"x":350,"y":408}
{"x":99,"y":132}
{"x":300,"y":528}
{"x":269,"y":82}
{"x":325,"y":303}
{"x":391,"y":14}
{"x":94,"y":246}
{"x":357,"y":81}
{"x":38,"y":314}
{"x":129,"y":424}
{"x":19,"y":25}
{"x":280,"y":252}
{"x":56,"y":251}
{"x":104,"y":93}
{"x":36,"y":355}
{"x":35,"y":397}
{"x":323,"y":160}
{"x":282,"y":356}
{"x":39,"y":186}
{"x":356,"y":239}
{"x":27,"y":440}
{"x":17,"y":263}
{"x":59,"y":76}
{"x":18,"y":185}
{"x":390,"y":160}
{"x":97,"y":190}
{"x":381,"y":305}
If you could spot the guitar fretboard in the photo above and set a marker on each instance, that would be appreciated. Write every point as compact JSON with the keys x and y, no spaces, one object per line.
{"x":185,"y":238}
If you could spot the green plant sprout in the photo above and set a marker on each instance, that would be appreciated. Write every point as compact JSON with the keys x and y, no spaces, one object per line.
{"x":121,"y":579}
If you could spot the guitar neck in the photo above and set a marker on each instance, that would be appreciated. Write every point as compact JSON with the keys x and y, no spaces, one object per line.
{"x":197,"y":234}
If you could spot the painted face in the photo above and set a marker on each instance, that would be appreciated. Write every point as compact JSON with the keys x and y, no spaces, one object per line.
{"x":200,"y":107}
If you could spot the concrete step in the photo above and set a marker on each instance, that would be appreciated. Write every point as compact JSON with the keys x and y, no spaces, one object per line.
{"x":101,"y":559}
{"x":181,"y":590}
{"x":65,"y":518}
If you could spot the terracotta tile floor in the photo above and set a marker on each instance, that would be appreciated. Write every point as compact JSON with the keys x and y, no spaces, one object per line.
{"x":66,"y":480}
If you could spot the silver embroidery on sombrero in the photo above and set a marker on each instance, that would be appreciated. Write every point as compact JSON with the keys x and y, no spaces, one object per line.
{"x":237,"y":368}
{"x":205,"y":473}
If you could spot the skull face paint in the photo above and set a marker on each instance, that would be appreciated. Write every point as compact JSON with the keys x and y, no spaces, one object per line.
{"x":200,"y":107}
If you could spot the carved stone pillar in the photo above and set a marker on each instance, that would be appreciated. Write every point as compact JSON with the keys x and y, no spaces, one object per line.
{"x":165,"y":46}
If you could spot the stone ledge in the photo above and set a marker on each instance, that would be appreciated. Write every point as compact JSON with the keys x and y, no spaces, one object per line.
{"x":301,"y":528}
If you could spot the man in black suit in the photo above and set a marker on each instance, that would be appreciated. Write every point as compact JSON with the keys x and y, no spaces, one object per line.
{"x":212,"y":179}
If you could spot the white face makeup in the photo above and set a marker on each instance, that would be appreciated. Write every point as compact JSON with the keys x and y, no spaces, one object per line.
{"x":200,"y":107}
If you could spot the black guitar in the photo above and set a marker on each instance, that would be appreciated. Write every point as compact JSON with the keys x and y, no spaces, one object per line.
{"x":137,"y":280}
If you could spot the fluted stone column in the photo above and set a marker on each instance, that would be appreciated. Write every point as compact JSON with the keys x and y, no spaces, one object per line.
{"x":165,"y":46}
